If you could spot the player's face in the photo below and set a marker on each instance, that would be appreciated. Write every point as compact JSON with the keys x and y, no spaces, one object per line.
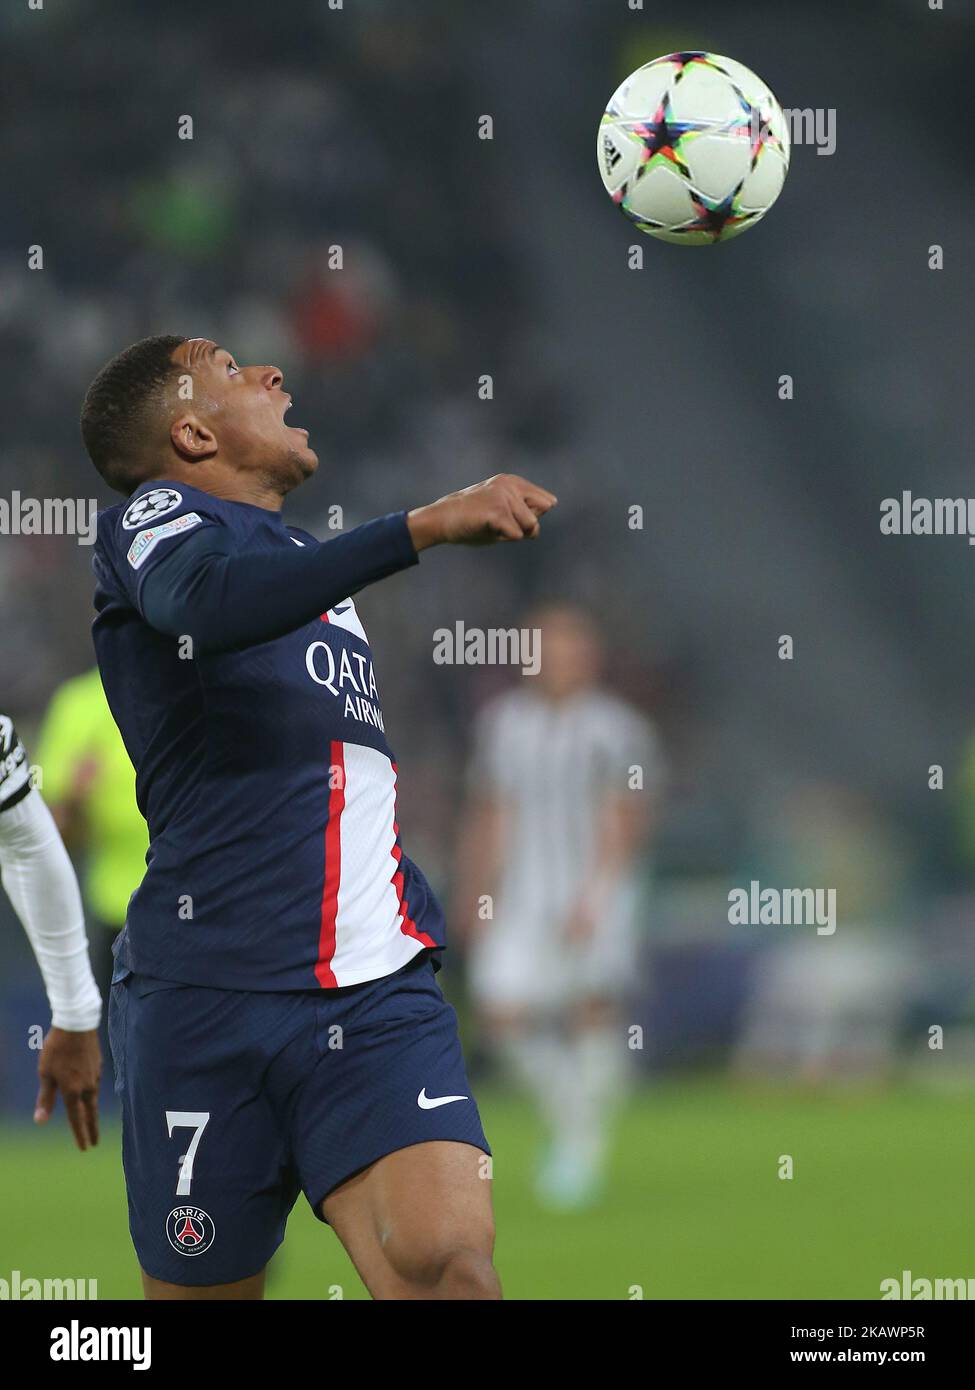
{"x":570,"y":653}
{"x":244,"y":410}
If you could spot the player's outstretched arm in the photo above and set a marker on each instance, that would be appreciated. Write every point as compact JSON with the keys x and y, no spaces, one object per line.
{"x":226,"y":599}
{"x":41,"y":884}
{"x":503,"y":508}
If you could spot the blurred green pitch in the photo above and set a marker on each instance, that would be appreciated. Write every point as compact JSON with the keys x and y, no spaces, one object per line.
{"x":695,"y":1210}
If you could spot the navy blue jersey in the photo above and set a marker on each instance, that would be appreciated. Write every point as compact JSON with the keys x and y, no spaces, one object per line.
{"x":262,"y":767}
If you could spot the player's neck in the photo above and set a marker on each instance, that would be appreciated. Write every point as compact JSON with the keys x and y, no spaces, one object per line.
{"x":249,"y":490}
{"x":233,"y":487}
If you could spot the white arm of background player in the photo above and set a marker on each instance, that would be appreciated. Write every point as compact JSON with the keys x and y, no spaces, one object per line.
{"x":41,"y":884}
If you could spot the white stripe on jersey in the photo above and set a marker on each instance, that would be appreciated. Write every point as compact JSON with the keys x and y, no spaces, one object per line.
{"x":344,"y":615}
{"x":369,"y":937}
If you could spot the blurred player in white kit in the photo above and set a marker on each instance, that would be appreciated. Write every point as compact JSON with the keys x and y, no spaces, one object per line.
{"x":564,"y":786}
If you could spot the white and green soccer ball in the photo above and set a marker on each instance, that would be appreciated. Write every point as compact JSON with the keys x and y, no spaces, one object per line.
{"x":693,"y":148}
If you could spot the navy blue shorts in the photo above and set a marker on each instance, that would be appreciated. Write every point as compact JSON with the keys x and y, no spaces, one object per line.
{"x":234,"y":1101}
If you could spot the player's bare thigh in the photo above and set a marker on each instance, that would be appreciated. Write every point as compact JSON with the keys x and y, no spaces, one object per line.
{"x":418,"y":1223}
{"x":250,"y":1289}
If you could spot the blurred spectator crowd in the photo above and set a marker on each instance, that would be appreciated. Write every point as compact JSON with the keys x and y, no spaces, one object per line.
{"x":336,"y":214}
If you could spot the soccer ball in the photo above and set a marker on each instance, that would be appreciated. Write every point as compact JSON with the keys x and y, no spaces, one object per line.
{"x":693,"y":148}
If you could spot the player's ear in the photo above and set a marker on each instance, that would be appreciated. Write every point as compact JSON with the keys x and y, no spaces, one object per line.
{"x":191,"y":439}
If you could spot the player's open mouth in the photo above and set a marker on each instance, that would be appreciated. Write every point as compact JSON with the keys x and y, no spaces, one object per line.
{"x":297,"y":428}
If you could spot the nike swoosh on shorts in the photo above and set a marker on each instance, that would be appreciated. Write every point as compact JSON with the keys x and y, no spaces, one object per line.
{"x":426,"y":1102}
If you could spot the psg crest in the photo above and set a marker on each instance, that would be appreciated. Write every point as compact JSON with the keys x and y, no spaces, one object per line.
{"x":190,"y":1230}
{"x":145,"y":509}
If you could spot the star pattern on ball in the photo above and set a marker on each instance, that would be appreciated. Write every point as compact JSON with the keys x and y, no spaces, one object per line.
{"x":716,"y":215}
{"x":754,"y":123}
{"x":642,"y":221}
{"x":682,"y":61}
{"x":662,"y":136}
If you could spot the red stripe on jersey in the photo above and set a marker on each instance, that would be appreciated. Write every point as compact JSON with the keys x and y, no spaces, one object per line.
{"x":408,"y":927}
{"x":333,"y":866}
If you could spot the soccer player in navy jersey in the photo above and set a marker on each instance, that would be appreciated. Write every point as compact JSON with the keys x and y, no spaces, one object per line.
{"x":275,"y":1022}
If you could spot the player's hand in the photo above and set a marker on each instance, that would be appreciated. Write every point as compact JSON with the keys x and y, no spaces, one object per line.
{"x":502,"y":508}
{"x":72,"y":1064}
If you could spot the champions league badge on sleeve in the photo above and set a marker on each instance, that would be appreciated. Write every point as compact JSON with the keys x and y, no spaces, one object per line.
{"x":190,"y":1230}
{"x":159,"y":501}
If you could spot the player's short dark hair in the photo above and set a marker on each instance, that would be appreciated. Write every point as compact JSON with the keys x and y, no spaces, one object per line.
{"x":115,"y":407}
